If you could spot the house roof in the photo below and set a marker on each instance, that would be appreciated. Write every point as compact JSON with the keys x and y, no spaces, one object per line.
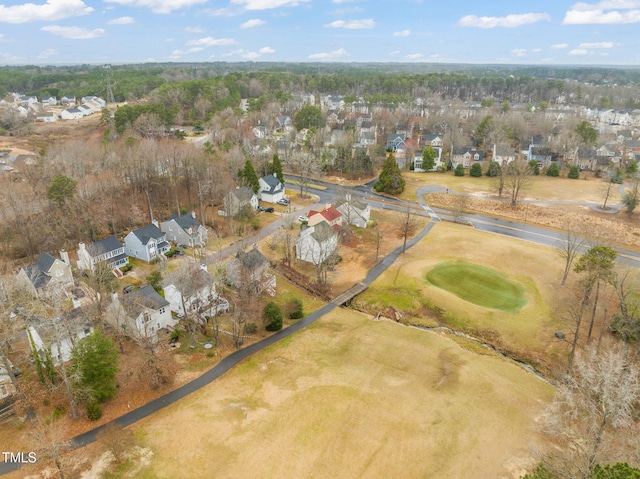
{"x":45,"y":262}
{"x":147,"y":297}
{"x":185,"y":221}
{"x":251,"y":259}
{"x":321,"y":232}
{"x":103,"y":246}
{"x":39,"y":279}
{"x":273,"y":182}
{"x":147,"y":233}
{"x":244,"y":193}
{"x":353,"y":202}
{"x":329,"y":214}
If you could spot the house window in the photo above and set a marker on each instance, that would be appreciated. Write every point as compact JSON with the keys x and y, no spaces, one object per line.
{"x":4,"y":391}
{"x":59,"y":272}
{"x":161,"y":310}
{"x":147,"y":316}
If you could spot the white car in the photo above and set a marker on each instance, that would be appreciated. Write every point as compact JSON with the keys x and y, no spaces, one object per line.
{"x":303,"y":219}
{"x":283,"y":202}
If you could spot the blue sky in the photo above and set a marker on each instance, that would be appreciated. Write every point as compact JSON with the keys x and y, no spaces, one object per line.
{"x":605,"y":32}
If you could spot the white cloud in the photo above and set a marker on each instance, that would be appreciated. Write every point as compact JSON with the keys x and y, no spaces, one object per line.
{"x":267,"y":4}
{"x":74,"y":33}
{"x":267,"y":50}
{"x":560,"y":46}
{"x":254,"y":22}
{"x":606,"y":12}
{"x":176,"y":54}
{"x":597,"y":45}
{"x":334,"y":55}
{"x":49,"y":52}
{"x":159,"y":6}
{"x":510,"y":21}
{"x":194,"y":30}
{"x":339,"y":12}
{"x":52,"y":10}
{"x":212,"y":42}
{"x":536,"y":50}
{"x":121,"y":21}
{"x":579,"y":51}
{"x":352,"y":24}
{"x":414,"y":56}
{"x":519,"y":52}
{"x":402,"y":33}
{"x":395,"y":52}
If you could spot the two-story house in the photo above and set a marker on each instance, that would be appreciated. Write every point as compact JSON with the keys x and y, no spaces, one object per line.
{"x":46,"y":274}
{"x":140,"y":313}
{"x":109,"y":249}
{"x":316,"y":243}
{"x":239,"y":199}
{"x":329,"y":215}
{"x":271,"y":189}
{"x":354,"y":211}
{"x":193,"y":291}
{"x":147,"y":243}
{"x":250,"y":270}
{"x":185,"y":229}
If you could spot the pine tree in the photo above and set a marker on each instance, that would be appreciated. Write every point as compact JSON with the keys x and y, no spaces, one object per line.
{"x":390,"y":180}
{"x":276,"y":167}
{"x":249,"y":177}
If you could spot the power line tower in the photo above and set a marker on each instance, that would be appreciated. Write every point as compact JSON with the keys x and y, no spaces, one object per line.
{"x":110,"y":98}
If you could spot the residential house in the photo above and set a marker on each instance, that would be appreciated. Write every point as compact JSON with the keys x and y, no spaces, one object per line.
{"x":354,"y":211}
{"x":185,"y":229}
{"x":109,"y":249}
{"x":47,"y":117}
{"x":49,"y":100}
{"x":6,"y":383}
{"x":329,"y":215}
{"x":437,"y":165}
{"x":466,"y":156}
{"x":271,"y":189}
{"x":94,"y":99}
{"x":503,"y":154}
{"x":71,"y":114}
{"x":368,"y":138}
{"x":194,"y":291}
{"x":142,"y":313}
{"x":316,"y":243}
{"x":68,"y":100}
{"x":283,"y":121}
{"x":396,"y":142}
{"x":239,"y":199}
{"x":147,"y":243}
{"x":26,"y":100}
{"x":436,"y":140}
{"x":249,"y":271}
{"x":46,"y":274}
{"x":58,"y":336}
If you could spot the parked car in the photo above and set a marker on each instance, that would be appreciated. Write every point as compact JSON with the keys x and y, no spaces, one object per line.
{"x":260,"y":208}
{"x":78,"y":292}
{"x":182,"y":246}
{"x":303,"y":219}
{"x":269,"y":210}
{"x":178,"y":252}
{"x":128,"y":289}
{"x":283,"y":202}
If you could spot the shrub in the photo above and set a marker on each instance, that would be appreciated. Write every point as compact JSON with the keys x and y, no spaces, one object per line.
{"x":295,"y":309}
{"x":126,"y":268}
{"x":534,"y":167}
{"x":574,"y":173}
{"x":58,"y":412}
{"x":273,"y":316}
{"x":250,"y":328}
{"x":553,"y":170}
{"x":494,"y":169}
{"x":459,"y":171}
{"x":94,"y":409}
{"x":476,"y":170}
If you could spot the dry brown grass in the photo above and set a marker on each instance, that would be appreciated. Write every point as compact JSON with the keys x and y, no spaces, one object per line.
{"x":352,"y":398}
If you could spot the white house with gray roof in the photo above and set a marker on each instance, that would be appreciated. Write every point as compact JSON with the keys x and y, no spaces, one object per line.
{"x":271,"y":189}
{"x":184,"y":229}
{"x":140,"y":313}
{"x":354,"y":212}
{"x":317,"y":243}
{"x":47,"y":273}
{"x":109,"y":249}
{"x":147,"y":243}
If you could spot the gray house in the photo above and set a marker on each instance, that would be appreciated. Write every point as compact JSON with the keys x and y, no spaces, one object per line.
{"x":147,"y":243}
{"x":185,"y":229}
{"x":45,"y":273}
{"x":237,"y":199}
{"x":354,"y":212}
{"x":249,"y":271}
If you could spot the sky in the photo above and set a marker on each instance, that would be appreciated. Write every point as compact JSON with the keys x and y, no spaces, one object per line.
{"x":554,"y":32}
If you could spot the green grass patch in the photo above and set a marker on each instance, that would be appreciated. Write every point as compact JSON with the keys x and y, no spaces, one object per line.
{"x":478,"y":285}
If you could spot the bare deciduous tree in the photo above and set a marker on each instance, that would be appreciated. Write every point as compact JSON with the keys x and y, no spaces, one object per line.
{"x":518,"y":178}
{"x":569,"y":246}
{"x":406,"y":224}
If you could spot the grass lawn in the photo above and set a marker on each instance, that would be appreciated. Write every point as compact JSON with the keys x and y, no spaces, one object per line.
{"x":478,"y":285}
{"x":352,"y":398}
{"x":534,"y":268}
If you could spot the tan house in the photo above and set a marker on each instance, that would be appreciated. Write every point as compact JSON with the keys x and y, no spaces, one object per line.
{"x":328,"y":215}
{"x":46,"y":274}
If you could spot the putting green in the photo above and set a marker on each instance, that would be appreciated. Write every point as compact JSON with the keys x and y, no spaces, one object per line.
{"x":478,"y":285}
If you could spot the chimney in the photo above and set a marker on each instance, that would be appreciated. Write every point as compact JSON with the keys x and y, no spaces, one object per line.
{"x":155,"y":223}
{"x":193,"y":214}
{"x":327,"y":206}
{"x":114,"y":296}
{"x":64,"y":256}
{"x":203,"y":267}
{"x":348,"y":197}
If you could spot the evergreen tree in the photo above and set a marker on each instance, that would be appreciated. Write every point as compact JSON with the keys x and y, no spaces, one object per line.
{"x":534,"y":167}
{"x":553,"y":170}
{"x":494,"y":169}
{"x":574,"y":173}
{"x":96,"y":360}
{"x":476,"y":170}
{"x":249,"y":177}
{"x":459,"y":171}
{"x":276,"y":168}
{"x":428,"y":158}
{"x":390,"y":180}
